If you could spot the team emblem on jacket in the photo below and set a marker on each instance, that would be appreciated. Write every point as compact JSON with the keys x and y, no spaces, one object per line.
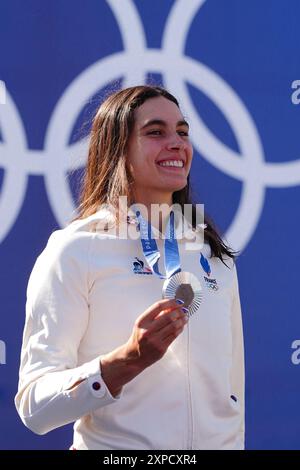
{"x":210,"y":283}
{"x":138,"y":267}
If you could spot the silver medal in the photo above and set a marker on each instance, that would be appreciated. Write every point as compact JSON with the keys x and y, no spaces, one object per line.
{"x":184,"y":286}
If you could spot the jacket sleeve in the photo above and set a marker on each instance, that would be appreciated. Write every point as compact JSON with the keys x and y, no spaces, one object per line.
{"x":57,"y":314}
{"x":238,"y":368}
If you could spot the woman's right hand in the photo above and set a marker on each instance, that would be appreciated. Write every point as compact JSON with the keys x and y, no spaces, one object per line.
{"x":153,"y":332}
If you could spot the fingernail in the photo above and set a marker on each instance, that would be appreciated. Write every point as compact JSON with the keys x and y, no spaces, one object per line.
{"x":179,"y":301}
{"x":185,"y":310}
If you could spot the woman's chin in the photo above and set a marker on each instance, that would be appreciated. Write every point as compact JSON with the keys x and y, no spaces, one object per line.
{"x":179,"y":186}
{"x":174,"y":184}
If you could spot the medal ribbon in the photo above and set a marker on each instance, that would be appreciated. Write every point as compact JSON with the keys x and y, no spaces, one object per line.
{"x":150,"y":249}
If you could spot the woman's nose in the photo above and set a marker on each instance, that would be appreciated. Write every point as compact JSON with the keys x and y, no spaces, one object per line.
{"x":175,"y":142}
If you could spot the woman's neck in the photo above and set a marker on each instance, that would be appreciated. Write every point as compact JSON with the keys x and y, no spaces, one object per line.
{"x":156,"y":209}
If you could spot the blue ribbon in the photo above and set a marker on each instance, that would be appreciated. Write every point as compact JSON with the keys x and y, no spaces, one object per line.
{"x":150,"y":249}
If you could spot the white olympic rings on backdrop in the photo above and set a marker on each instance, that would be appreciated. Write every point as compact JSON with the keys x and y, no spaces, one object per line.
{"x":133,"y":64}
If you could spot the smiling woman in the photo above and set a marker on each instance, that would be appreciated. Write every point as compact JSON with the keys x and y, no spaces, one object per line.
{"x":138,"y":361}
{"x":159,"y":152}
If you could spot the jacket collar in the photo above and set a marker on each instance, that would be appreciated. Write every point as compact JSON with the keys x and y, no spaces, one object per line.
{"x":104,"y":221}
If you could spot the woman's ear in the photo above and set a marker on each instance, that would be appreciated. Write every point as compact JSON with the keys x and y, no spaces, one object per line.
{"x":129,"y":170}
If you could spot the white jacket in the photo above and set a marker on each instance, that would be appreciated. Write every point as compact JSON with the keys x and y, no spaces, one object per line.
{"x":84,"y":294}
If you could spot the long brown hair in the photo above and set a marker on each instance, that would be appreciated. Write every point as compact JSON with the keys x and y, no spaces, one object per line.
{"x":106,"y":176}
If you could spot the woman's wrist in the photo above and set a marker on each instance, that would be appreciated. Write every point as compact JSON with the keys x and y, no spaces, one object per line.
{"x":118,"y":368}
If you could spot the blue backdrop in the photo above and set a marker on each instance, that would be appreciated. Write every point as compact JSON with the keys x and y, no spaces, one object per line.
{"x":234,"y":66}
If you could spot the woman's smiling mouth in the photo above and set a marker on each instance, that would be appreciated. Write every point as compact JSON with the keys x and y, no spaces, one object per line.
{"x":174,"y":164}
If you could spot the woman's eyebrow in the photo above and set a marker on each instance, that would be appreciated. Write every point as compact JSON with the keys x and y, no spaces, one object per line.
{"x":161,"y":122}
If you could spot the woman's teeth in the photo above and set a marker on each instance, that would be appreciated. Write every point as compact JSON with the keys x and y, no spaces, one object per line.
{"x":177,"y":163}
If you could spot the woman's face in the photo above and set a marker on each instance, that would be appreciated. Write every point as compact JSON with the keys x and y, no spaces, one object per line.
{"x":159,"y":150}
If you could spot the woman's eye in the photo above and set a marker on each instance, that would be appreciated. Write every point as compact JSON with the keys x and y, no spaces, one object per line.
{"x":155,"y":132}
{"x":183,"y":133}
{"x":158,"y":132}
